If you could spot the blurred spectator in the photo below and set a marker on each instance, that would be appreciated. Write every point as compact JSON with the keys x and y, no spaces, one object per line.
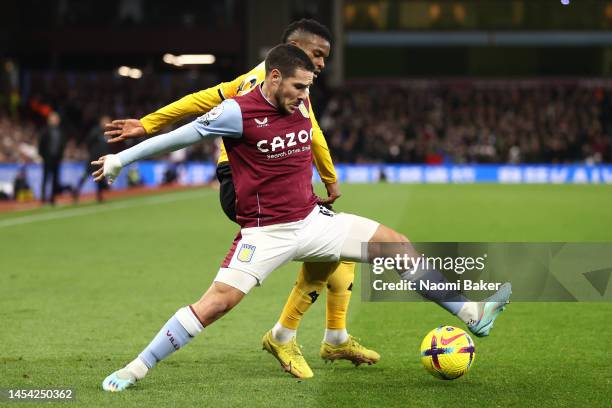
{"x":133,"y":177}
{"x":17,"y":141}
{"x":51,"y":147}
{"x":175,"y":166}
{"x":21,"y":188}
{"x":96,"y":145}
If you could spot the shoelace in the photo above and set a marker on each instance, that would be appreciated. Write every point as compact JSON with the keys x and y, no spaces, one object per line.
{"x":354,"y":342}
{"x":296,"y":348}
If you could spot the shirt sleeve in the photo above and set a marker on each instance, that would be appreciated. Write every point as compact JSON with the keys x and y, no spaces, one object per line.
{"x":193,"y":104}
{"x":223,"y":120}
{"x":320,"y":152}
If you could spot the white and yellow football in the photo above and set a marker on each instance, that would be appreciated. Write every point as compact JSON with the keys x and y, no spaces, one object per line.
{"x":447,"y":352}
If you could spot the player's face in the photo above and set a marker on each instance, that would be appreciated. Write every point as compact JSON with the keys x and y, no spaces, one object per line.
{"x":293,"y":90}
{"x":317,"y":48}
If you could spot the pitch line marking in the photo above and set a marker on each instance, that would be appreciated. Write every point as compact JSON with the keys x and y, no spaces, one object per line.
{"x":166,"y":198}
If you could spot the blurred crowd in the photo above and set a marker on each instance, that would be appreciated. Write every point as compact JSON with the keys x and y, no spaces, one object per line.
{"x":415,"y":122}
{"x":18,"y":141}
{"x":470,"y":123}
{"x":81,"y":100}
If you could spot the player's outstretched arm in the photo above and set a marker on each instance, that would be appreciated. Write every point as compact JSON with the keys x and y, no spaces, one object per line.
{"x":123,"y":129}
{"x":196,"y":103}
{"x":323,"y":162}
{"x":224,"y":120}
{"x":193,"y":104}
{"x":112,"y":164}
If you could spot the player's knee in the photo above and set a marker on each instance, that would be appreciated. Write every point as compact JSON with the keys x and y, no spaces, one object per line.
{"x":317,"y":273}
{"x":397,"y":238}
{"x":211,"y":308}
{"x":220,"y":305}
{"x":386,"y":234}
{"x":225,"y":298}
{"x":217,"y":301}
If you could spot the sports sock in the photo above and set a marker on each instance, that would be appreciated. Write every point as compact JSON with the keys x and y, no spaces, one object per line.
{"x":335,"y":337}
{"x":282,"y":334}
{"x":176,"y":333}
{"x":137,"y":368}
{"x":307,"y":289}
{"x":339,"y":290}
{"x":469,"y":313}
{"x":450,"y":300}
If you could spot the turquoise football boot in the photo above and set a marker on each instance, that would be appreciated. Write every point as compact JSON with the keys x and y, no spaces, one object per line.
{"x":489,"y":309}
{"x":118,"y":381}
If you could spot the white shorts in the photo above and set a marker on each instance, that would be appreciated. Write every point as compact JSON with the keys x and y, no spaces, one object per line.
{"x":322,"y":236}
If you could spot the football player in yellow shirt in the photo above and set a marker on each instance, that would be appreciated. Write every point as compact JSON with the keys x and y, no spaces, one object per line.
{"x":315,"y":40}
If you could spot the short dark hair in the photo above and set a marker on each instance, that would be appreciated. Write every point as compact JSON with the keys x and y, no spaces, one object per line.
{"x":307,"y":25}
{"x":287,"y":58}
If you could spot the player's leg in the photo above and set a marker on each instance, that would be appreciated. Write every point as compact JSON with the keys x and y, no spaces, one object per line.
{"x":308,"y":287}
{"x":280,"y":341}
{"x":245,"y":266}
{"x":478,"y":316}
{"x":337,"y":343}
{"x":339,"y":290}
{"x":343,"y":235}
{"x":179,"y":330}
{"x":321,"y":240}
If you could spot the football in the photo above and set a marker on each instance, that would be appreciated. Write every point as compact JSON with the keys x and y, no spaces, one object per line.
{"x":447,"y":352}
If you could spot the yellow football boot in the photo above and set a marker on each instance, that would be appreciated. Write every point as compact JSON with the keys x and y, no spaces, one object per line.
{"x":288,"y":355}
{"x":350,"y":350}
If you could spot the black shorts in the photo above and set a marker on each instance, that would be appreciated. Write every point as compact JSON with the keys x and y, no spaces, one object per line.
{"x":227,"y":192}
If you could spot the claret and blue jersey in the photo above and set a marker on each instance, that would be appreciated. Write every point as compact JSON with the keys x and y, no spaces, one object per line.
{"x":271,"y":163}
{"x":270,"y":153}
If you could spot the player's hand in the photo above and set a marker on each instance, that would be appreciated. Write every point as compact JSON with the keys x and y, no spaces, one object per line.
{"x":110,"y":167}
{"x":333,"y":193}
{"x":123,"y":129}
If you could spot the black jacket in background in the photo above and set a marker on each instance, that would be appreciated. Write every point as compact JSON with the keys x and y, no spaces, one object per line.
{"x":51,"y":144}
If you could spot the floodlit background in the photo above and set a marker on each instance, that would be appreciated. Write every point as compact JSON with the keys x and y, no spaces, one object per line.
{"x":448,"y":83}
{"x":448,"y":120}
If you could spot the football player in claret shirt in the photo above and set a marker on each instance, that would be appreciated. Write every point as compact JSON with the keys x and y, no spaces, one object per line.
{"x":315,"y":40}
{"x":268,"y":136}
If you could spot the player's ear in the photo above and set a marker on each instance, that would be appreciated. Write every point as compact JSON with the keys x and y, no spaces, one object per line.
{"x":276,"y":77}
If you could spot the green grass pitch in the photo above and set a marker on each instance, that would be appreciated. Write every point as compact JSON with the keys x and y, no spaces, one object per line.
{"x":83,"y":289}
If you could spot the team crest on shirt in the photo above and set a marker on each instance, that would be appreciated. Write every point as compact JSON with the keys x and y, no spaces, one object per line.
{"x":246,"y":253}
{"x":304,"y":110}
